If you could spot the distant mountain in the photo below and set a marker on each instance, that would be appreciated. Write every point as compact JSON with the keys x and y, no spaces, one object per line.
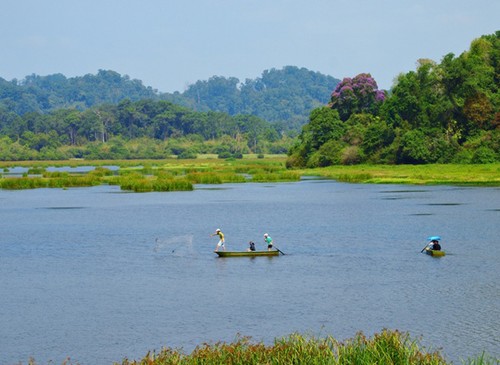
{"x":287,"y":95}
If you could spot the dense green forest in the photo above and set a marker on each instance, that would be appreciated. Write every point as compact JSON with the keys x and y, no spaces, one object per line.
{"x":283,"y":96}
{"x":111,"y":116}
{"x":140,"y":129}
{"x":447,"y":112}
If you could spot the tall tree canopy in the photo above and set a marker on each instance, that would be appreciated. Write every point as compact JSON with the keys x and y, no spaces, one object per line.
{"x":112,"y":131}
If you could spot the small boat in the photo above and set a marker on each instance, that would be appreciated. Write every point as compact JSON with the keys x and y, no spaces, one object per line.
{"x":436,"y":253}
{"x":246,"y":253}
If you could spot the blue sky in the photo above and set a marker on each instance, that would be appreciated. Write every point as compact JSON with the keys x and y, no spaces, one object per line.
{"x":169,"y":44}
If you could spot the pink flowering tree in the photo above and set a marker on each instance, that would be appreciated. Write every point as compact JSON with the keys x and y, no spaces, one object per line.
{"x":357,"y":95}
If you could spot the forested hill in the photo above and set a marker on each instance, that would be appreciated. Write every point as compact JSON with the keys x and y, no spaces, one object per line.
{"x":285,"y":95}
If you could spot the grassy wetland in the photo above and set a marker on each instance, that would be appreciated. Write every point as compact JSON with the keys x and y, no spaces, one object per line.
{"x":180,"y":174}
{"x":149,"y":175}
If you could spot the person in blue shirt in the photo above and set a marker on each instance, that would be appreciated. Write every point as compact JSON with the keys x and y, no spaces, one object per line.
{"x":269,"y":241}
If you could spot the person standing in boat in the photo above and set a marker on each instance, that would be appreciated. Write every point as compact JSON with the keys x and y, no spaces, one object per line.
{"x":221,"y":242}
{"x":269,"y":241}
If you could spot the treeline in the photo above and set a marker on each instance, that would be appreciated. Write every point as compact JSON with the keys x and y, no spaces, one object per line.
{"x":140,"y":129}
{"x":439,"y":113}
{"x":45,"y":94}
{"x":283,"y":96}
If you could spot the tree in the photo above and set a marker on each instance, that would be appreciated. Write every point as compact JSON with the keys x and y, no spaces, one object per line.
{"x":414,"y":148}
{"x":377,"y":136}
{"x":357,"y":95}
{"x":324,"y":127}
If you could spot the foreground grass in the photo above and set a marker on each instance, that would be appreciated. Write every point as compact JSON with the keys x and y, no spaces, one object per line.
{"x":387,"y":347}
{"x":174,"y":174}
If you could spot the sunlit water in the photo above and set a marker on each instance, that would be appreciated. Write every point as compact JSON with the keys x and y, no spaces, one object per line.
{"x":97,"y":274}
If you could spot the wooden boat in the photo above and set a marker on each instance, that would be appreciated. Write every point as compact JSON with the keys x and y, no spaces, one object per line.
{"x":246,"y":253}
{"x":435,"y":253}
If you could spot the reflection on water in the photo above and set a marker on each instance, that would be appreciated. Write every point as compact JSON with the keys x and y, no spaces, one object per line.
{"x":98,"y":274}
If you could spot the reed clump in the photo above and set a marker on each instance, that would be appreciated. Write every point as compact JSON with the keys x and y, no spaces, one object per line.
{"x":215,"y":177}
{"x":55,"y":174}
{"x":101,"y":172}
{"x":141,"y":184}
{"x":204,"y":177}
{"x":280,"y":176}
{"x":37,"y":170}
{"x":354,"y":178}
{"x":21,"y":183}
{"x":71,"y":181}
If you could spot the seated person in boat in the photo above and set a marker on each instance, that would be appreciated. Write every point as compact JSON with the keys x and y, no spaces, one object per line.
{"x":251,"y":246}
{"x":434,"y":245}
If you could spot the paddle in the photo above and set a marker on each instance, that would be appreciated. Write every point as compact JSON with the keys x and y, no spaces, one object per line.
{"x":424,"y":248}
{"x":279,"y":250}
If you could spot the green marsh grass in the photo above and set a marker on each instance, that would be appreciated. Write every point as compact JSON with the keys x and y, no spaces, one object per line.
{"x":272,"y":169}
{"x":73,"y":181}
{"x":215,"y":177}
{"x":101,"y":171}
{"x":204,"y":178}
{"x":281,"y":176}
{"x":141,"y":184}
{"x":55,"y":174}
{"x":449,"y":174}
{"x":36,"y":170}
{"x":385,"y":348}
{"x":20,"y":183}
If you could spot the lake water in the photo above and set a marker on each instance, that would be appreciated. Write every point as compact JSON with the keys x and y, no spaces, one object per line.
{"x":98,"y":274}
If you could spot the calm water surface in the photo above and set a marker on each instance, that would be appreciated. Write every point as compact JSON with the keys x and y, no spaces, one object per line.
{"x":97,"y":274}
